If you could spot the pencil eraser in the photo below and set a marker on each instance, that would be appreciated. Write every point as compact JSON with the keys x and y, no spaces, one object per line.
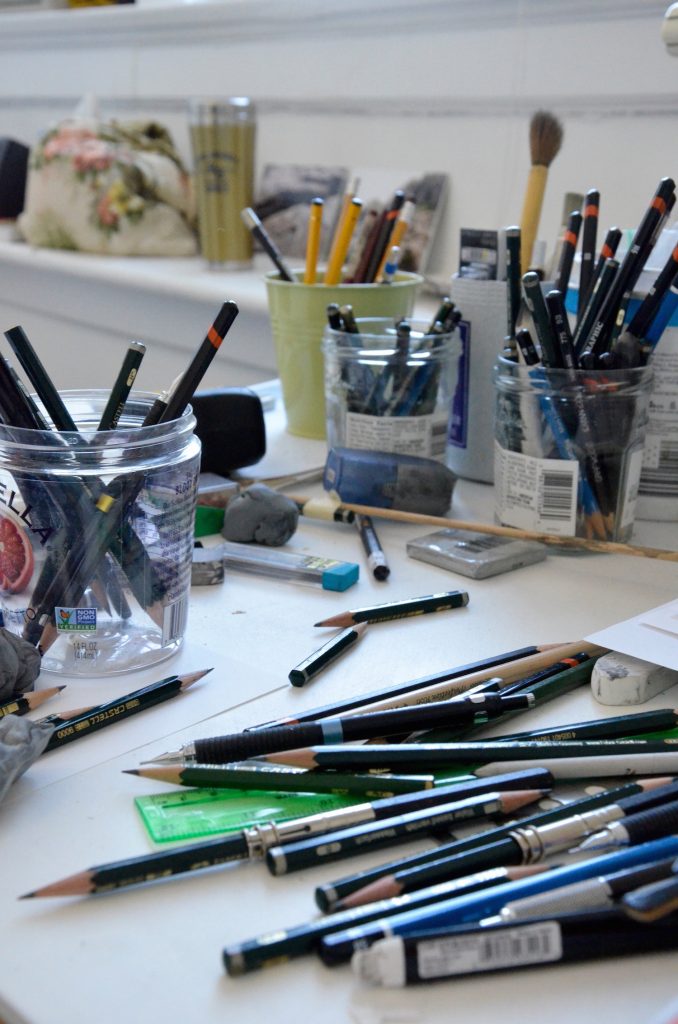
{"x":340,"y":576}
{"x":473,"y":554}
{"x":208,"y":520}
{"x":619,"y":679}
{"x":389,"y":480}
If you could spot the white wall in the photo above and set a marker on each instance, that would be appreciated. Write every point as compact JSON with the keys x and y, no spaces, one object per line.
{"x":431,"y":84}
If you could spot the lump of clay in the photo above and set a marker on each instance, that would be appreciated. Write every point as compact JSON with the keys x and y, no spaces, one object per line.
{"x":260,"y":515}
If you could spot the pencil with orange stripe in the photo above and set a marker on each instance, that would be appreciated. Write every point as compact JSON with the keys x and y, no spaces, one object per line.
{"x":567,"y":251}
{"x":588,"y":246}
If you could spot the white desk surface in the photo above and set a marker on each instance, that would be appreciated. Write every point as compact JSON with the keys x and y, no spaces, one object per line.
{"x":153,"y":953}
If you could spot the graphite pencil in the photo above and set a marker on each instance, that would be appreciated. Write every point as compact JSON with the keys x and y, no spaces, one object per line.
{"x":28,"y":701}
{"x":400,"y":609}
{"x":252,"y":843}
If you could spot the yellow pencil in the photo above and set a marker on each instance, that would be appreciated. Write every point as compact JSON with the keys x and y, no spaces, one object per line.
{"x":342,"y":242}
{"x":401,"y":225}
{"x":315,"y":220}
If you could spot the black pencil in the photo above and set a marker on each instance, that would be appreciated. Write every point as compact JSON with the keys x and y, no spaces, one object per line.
{"x":415,"y":756}
{"x":570,"y":238}
{"x":243,"y":745}
{"x":252,"y":843}
{"x":40,"y":379}
{"x":274,"y":778}
{"x":122,"y":386}
{"x":252,"y":221}
{"x":588,"y":247}
{"x":113,"y":711}
{"x":527,"y":844}
{"x":356,"y":839}
{"x":400,"y":609}
{"x":376,"y":559}
{"x":285,"y":944}
{"x":182,"y":392}
{"x":484,"y":667}
{"x":337,"y":894}
{"x":325,"y":655}
{"x":28,"y":701}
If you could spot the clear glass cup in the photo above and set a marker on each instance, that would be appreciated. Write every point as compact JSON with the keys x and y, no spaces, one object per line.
{"x":389,"y":394}
{"x":569,"y":448}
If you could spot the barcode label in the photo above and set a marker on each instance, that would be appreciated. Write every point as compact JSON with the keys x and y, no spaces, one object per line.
{"x":489,"y":950}
{"x":556,"y":498}
{"x":536,"y":494}
{"x":174,"y":620}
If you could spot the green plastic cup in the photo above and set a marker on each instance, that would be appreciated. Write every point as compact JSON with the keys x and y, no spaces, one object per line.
{"x":298,"y":315}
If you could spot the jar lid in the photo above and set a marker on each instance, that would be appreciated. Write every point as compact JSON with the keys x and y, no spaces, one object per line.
{"x":221,"y":111}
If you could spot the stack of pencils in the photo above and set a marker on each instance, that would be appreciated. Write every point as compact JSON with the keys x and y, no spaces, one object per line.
{"x":623,"y":837}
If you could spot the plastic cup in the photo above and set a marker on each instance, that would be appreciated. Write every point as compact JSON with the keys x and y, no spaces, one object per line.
{"x":298,"y":315}
{"x":58,"y":488}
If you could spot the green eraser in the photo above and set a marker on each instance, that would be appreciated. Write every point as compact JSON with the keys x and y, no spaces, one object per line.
{"x":340,"y":576}
{"x":208,"y":520}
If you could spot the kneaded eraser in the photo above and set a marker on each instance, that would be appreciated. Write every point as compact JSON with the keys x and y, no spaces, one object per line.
{"x":621,"y":679}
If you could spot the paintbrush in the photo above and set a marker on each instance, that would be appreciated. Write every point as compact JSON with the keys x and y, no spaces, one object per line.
{"x":546,"y":136}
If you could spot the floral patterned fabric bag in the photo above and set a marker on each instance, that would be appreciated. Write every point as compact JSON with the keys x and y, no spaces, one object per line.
{"x":110,"y":188}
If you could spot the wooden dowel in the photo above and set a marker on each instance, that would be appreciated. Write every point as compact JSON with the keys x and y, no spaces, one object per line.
{"x":581,"y":543}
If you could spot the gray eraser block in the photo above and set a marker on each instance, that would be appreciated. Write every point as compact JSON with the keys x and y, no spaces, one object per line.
{"x":260,"y":515}
{"x":621,"y":679}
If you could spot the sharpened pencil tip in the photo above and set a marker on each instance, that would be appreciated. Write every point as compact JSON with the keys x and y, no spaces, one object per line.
{"x":27,"y":896}
{"x":130,"y":771}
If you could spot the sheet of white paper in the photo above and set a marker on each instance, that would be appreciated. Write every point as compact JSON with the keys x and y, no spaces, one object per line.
{"x":652,"y":636}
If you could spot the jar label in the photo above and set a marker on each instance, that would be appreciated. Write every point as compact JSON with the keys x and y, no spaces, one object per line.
{"x":536,"y":494}
{"x":424,"y":436}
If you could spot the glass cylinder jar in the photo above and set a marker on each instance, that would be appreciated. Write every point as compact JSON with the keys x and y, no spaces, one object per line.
{"x":390,"y":390}
{"x":569,"y":448}
{"x":96,"y":536}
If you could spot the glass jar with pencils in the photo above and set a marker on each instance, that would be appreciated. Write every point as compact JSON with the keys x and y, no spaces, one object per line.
{"x":96,"y":536}
{"x":389,"y":385}
{"x":569,"y":448}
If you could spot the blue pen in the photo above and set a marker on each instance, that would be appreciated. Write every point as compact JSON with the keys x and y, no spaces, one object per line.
{"x":338,"y":947}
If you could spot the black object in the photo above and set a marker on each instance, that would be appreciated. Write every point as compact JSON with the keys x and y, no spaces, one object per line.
{"x":231,"y":428}
{"x":13,"y":173}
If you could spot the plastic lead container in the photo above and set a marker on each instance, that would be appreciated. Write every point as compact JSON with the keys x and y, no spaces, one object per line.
{"x":122,"y":501}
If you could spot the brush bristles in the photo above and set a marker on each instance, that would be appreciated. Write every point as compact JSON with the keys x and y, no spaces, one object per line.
{"x":546,"y":136}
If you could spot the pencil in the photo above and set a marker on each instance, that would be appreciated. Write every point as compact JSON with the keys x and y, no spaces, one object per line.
{"x":483,"y":670}
{"x":315,"y":219}
{"x":337,"y":894}
{"x":569,"y":245}
{"x":341,"y":242}
{"x":122,"y":386}
{"x":405,"y":218}
{"x":251,"y":221}
{"x":255,"y":742}
{"x":28,"y":701}
{"x":383,"y":239}
{"x":325,"y":655}
{"x":376,"y":559}
{"x":400,"y":609}
{"x":40,"y":379}
{"x":588,"y":247}
{"x":252,"y":843}
{"x":278,"y":779}
{"x":431,"y":756}
{"x":183,"y":391}
{"x":112,"y":711}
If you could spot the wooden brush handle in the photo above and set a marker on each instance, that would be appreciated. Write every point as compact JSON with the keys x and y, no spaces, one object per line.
{"x":529,"y":221}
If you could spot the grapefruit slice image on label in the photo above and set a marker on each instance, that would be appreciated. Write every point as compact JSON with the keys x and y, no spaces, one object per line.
{"x":16,"y":557}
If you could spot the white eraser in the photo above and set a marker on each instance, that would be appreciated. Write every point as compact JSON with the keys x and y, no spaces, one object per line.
{"x":620,"y":679}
